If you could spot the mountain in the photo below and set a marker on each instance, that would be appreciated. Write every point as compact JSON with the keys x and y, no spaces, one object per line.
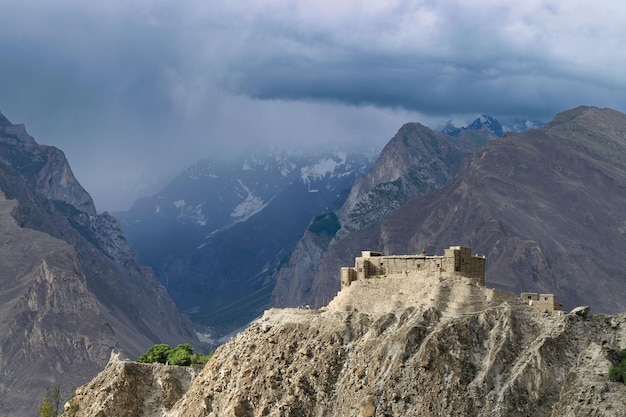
{"x":431,"y":346}
{"x":71,"y":288}
{"x":545,"y":206}
{"x":487,"y":123}
{"x":216,"y":234}
{"x":416,"y":161}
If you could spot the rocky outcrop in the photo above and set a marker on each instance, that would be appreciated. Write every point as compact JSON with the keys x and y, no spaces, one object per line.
{"x":110,"y":237}
{"x":449,"y":348}
{"x":131,"y":389}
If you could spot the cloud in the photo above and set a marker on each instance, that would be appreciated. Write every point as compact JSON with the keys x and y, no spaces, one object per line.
{"x":137,"y":89}
{"x":506,"y":58}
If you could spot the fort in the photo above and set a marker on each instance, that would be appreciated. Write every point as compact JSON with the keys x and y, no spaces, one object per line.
{"x":456,"y":259}
{"x":445,"y":281}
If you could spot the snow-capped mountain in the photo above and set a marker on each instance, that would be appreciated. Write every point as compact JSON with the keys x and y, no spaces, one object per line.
{"x":492,"y":125}
{"x":216,"y":232}
{"x":484,"y":121}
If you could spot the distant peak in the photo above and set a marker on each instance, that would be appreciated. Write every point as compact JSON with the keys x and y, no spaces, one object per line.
{"x":484,"y":120}
{"x":489,"y":122}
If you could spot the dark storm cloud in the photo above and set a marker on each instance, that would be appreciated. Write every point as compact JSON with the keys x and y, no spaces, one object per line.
{"x":136,"y":89}
{"x":506,"y":59}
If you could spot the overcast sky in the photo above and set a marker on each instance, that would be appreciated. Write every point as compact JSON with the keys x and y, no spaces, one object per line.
{"x":138,"y":88}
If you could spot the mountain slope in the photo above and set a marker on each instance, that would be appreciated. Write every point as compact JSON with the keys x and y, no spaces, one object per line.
{"x":544,"y":206}
{"x":416,"y":161}
{"x":218,"y":232}
{"x":71,"y":289}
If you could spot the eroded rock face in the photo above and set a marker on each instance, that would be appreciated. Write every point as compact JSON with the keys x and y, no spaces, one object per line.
{"x":131,"y":389}
{"x":473,"y":353}
{"x":52,"y":328}
{"x":416,"y":161}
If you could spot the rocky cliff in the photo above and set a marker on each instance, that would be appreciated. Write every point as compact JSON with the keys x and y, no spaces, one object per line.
{"x":71,"y":289}
{"x":428,"y":347}
{"x":417,"y":160}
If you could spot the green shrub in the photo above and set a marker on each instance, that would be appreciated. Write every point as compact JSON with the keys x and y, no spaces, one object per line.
{"x":156,"y":354}
{"x":181,"y":355}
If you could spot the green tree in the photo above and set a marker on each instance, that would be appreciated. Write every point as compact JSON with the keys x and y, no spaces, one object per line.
{"x":49,"y":406}
{"x":157,"y":353}
{"x":45,"y":409}
{"x":181,"y":355}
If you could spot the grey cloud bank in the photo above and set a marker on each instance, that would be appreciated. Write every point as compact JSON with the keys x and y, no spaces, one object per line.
{"x":139,"y":89}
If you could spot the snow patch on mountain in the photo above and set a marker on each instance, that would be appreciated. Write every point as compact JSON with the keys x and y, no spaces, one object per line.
{"x":251,"y":205}
{"x":319,"y":170}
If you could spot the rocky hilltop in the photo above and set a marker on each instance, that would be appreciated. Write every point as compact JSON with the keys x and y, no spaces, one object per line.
{"x":545,"y":206}
{"x":394,"y":345}
{"x":71,"y":288}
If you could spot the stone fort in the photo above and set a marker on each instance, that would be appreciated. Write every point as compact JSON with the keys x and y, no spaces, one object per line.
{"x":456,"y":261}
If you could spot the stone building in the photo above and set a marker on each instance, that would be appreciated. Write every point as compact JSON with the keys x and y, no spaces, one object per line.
{"x":456,"y":259}
{"x":546,"y":303}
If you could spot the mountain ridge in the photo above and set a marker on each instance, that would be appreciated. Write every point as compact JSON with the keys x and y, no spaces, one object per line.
{"x":76,"y":289}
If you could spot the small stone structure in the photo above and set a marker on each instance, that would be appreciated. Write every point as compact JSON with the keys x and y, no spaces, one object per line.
{"x":456,"y":259}
{"x":546,"y":303}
